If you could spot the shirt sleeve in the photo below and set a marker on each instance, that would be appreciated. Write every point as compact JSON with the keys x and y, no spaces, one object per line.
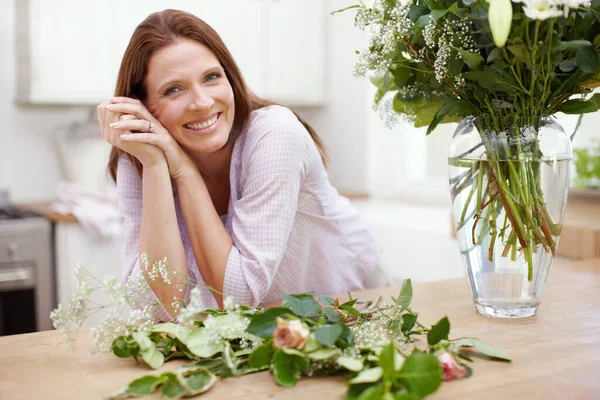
{"x":264,"y":214}
{"x":129,"y":186}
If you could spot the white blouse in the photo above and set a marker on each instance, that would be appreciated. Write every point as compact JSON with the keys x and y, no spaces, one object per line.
{"x":291,"y":230}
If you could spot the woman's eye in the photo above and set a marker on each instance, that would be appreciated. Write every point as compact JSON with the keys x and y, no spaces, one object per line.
{"x":212,"y":77}
{"x":172,"y":90}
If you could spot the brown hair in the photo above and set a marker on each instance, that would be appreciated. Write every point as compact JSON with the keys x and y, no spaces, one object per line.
{"x":164,"y":28}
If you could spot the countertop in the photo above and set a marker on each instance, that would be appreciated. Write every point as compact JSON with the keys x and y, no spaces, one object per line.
{"x":45,"y":209}
{"x":555,"y":353}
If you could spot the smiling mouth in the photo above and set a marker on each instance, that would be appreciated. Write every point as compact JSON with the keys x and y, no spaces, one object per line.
{"x":203,"y":125}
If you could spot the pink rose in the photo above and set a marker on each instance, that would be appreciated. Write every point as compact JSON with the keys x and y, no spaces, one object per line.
{"x":290,"y":334}
{"x":452,"y":369}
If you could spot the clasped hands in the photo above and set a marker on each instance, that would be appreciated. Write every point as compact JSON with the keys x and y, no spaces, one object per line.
{"x":128,"y":125}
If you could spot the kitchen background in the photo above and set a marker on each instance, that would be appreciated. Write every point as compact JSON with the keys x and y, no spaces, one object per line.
{"x":59,"y":58}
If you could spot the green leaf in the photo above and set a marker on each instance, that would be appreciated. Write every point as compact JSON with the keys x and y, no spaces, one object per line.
{"x":423,"y":111}
{"x":351,"y":364}
{"x":303,"y":305}
{"x":175,"y":330}
{"x":498,"y":65}
{"x":197,"y":379}
{"x":408,"y":322}
{"x":326,"y":300}
{"x":495,"y":55}
{"x":473,"y":60}
{"x":350,"y":310}
{"x":406,"y":396}
{"x":200,"y":343}
{"x":422,"y":21}
{"x":491,"y":80}
{"x":143,"y":386}
{"x":578,"y":106}
{"x":151,"y":355}
{"x":421,"y":373}
{"x":293,"y":352}
{"x":482,"y":347}
{"x":264,"y":324}
{"x":451,"y":106}
{"x":346,"y":338}
{"x":287,"y":368}
{"x":261,"y":356}
{"x":331,"y":314}
{"x":328,"y":334}
{"x":439,"y":331}
{"x":323,"y":354}
{"x":415,"y":11}
{"x":368,"y":376}
{"x":172,"y":388}
{"x":386,"y":360}
{"x":521,"y":53}
{"x":372,"y":393}
{"x":120,"y":348}
{"x":585,"y":55}
{"x":311,"y":344}
{"x":437,"y":14}
{"x":405,"y":297}
{"x":459,"y":12}
{"x":386,"y":84}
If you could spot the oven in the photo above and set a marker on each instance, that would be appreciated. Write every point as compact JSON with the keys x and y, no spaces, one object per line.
{"x":27,"y":288}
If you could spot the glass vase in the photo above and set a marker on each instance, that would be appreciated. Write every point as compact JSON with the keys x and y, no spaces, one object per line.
{"x":509,"y":180}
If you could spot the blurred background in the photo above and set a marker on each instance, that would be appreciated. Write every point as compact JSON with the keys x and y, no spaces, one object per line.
{"x":60,"y":58}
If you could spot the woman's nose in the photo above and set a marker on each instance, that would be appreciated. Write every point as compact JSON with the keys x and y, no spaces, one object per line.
{"x":201,"y":101}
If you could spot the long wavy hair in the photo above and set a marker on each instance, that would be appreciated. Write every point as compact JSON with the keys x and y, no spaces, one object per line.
{"x":164,"y":28}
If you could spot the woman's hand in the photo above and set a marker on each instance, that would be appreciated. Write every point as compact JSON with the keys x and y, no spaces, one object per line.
{"x":147,"y":154}
{"x":136,"y":117}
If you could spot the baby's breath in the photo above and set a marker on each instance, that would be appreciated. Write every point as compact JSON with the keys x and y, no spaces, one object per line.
{"x":128,"y":306}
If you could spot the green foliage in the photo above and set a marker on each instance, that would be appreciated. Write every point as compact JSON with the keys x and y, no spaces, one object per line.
{"x":482,"y":347}
{"x":442,"y":64}
{"x":421,"y":373}
{"x":303,"y":305}
{"x":375,"y":366}
{"x":287,"y":368}
{"x":264,"y":324}
{"x":587,"y":167}
{"x":439,"y":331}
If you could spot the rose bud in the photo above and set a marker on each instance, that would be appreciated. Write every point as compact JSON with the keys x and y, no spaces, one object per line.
{"x":452,"y":369}
{"x":290,"y":334}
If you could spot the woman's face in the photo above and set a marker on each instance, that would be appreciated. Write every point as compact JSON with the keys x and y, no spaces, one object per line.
{"x":188,"y":92}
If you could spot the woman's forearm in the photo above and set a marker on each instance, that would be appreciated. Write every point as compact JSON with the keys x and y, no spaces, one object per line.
{"x":210,"y":241}
{"x":160,"y":236}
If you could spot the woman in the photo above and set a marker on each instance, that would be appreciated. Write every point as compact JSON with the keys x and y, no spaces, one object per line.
{"x":230,"y":188}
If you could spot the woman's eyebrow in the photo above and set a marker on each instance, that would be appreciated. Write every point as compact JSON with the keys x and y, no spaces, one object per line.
{"x":172,"y":81}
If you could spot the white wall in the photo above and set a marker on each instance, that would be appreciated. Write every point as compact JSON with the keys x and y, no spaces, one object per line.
{"x":343,"y":123}
{"x":29,"y":167}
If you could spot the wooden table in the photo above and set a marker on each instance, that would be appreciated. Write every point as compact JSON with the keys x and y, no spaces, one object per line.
{"x":556,"y":354}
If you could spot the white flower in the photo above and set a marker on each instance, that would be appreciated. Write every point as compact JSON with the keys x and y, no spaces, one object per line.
{"x":500,"y":19}
{"x":230,"y":304}
{"x":188,"y":314}
{"x":541,"y":9}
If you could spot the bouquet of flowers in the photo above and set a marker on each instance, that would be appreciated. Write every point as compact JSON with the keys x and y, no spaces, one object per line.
{"x":502,"y":67}
{"x":376,"y":345}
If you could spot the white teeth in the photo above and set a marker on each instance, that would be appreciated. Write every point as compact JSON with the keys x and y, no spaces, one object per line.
{"x":203,"y":125}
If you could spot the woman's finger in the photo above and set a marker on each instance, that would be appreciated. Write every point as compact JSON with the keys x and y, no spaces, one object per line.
{"x":121,"y":99}
{"x":127,"y":117}
{"x":149,"y":138}
{"x":133,"y":125}
{"x":131,"y":108}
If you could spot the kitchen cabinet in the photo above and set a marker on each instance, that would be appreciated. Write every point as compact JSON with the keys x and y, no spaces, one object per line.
{"x":99,"y":256}
{"x":69,"y":51}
